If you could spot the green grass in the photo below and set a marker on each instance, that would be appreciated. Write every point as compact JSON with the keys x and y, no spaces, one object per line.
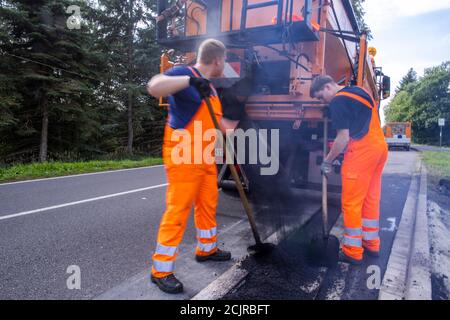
{"x":55,"y":169}
{"x":438,"y":162}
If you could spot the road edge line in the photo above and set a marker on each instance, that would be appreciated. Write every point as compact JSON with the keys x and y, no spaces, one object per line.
{"x":74,"y":203}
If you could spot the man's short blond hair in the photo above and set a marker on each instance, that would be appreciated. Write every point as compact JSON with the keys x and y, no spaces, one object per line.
{"x":209,"y":50}
{"x":318,"y":83}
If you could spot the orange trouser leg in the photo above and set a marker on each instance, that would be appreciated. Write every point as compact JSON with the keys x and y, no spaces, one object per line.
{"x":357,"y":171}
{"x":184,"y":182}
{"x":205,"y":213}
{"x":354,"y":190}
{"x":371,"y":209}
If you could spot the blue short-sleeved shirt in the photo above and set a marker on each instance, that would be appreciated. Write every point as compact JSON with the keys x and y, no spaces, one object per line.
{"x":184,"y":104}
{"x":348,"y":113}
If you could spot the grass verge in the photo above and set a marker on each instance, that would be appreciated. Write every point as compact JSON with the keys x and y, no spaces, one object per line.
{"x":55,"y":169}
{"x":438,"y":162}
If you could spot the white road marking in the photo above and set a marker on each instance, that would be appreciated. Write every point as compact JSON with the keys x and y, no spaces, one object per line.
{"x":392,"y":224}
{"x":79,"y":175}
{"x":15,"y":215}
{"x":232,"y":226}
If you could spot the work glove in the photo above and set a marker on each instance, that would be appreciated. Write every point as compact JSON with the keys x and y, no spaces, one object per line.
{"x":326,"y":168}
{"x":202,"y":85}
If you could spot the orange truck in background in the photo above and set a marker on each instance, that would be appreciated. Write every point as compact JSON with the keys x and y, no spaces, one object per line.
{"x":398,"y":134}
{"x":275,"y":49}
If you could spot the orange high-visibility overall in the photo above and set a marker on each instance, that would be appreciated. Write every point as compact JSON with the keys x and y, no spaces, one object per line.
{"x":188,"y":184}
{"x":361,"y":185}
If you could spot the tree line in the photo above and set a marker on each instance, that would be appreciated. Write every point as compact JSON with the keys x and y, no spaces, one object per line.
{"x":72,"y":79}
{"x":423,"y":101}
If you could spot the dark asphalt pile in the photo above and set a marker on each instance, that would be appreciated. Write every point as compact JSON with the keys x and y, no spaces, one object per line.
{"x":284,"y":273}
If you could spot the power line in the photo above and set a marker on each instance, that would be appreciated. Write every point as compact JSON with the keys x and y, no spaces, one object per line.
{"x":50,"y":66}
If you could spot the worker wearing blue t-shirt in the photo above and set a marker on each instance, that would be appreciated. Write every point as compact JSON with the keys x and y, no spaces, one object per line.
{"x":190,"y":181}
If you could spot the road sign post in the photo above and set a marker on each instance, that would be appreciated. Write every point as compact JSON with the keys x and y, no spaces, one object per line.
{"x":441,"y":125}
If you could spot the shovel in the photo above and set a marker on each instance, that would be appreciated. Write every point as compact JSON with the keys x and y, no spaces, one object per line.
{"x":323,"y":250}
{"x":259,"y":247}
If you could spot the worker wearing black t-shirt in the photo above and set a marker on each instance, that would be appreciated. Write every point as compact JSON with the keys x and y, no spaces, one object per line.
{"x":355,"y":116}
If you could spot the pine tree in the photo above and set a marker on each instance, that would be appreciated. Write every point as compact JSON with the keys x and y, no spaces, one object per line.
{"x":410,"y":77}
{"x":73,"y":94}
{"x":54,"y":70}
{"x":134,"y":57}
{"x":359,"y":12}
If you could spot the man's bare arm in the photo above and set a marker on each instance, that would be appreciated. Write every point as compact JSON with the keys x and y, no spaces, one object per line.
{"x":163,"y":86}
{"x":339,"y":145}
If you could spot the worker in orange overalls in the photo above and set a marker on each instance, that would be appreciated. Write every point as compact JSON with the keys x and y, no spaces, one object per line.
{"x":355,"y":116}
{"x":192,"y":177}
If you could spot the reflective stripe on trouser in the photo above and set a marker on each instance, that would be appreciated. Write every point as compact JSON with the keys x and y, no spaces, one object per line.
{"x":164,"y":258}
{"x":371,"y":213}
{"x":208,"y":233}
{"x":355,"y":242}
{"x":353,"y":238}
{"x":371,"y":236}
{"x":206,"y":241}
{"x":188,"y":185}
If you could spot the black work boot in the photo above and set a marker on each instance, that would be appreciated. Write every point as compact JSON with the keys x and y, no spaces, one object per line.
{"x":219,"y":255}
{"x":168,"y":284}
{"x":345,"y":258}
{"x":373,"y":254}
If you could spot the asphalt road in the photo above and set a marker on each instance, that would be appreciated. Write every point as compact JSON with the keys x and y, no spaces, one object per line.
{"x":106,"y":224}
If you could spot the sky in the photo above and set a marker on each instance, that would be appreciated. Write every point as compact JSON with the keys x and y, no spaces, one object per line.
{"x":408,"y":34}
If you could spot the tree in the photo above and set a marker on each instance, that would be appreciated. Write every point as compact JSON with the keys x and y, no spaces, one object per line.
{"x":77,"y":93}
{"x":423,"y":101}
{"x":432,"y":102}
{"x":53,"y":67}
{"x":123,"y":23}
{"x":410,"y":77}
{"x":401,"y":107}
{"x":359,"y":12}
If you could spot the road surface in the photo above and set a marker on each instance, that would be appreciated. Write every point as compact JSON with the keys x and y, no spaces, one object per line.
{"x":287,"y":274}
{"x":106,"y":224}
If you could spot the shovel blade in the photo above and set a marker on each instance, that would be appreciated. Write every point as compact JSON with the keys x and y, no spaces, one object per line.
{"x":261,"y":248}
{"x":323,"y":251}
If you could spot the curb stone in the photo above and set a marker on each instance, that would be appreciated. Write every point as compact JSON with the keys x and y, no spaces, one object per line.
{"x":408,"y":274}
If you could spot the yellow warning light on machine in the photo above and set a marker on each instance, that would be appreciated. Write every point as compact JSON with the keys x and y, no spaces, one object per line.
{"x":372,"y":51}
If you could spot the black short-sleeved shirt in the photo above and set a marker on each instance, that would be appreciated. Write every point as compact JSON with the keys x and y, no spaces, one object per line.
{"x":348,"y":113}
